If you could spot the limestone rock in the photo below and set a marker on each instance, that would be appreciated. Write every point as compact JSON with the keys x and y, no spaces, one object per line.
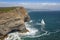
{"x":13,"y":20}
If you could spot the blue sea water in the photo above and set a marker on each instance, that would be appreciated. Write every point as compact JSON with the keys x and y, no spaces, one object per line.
{"x":49,"y":31}
{"x":52,"y":25}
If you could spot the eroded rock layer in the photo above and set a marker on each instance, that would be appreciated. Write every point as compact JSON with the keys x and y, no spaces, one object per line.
{"x":13,"y":19}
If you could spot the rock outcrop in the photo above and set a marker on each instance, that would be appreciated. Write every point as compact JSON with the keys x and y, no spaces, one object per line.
{"x":13,"y":20}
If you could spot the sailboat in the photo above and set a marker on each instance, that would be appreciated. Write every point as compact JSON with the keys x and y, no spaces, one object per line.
{"x":42,"y":22}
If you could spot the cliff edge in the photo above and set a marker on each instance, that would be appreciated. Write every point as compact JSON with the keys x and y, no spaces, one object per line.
{"x":12,"y":19}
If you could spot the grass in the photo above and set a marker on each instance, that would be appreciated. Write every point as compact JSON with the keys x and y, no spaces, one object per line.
{"x":6,"y":9}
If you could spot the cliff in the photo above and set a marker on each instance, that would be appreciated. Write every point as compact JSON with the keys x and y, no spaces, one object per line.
{"x":11,"y":19}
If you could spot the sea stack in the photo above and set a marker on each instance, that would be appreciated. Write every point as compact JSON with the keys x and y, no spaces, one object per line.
{"x":12,"y":18}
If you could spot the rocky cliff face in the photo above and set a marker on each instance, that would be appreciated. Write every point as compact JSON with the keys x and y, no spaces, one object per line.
{"x":13,"y":20}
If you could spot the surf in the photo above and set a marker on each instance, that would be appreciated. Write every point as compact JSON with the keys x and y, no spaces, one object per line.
{"x":42,"y":23}
{"x":33,"y":32}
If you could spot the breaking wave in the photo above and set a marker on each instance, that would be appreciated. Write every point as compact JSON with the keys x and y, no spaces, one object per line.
{"x":33,"y":32}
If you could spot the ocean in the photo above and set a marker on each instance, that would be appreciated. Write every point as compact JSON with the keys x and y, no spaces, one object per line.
{"x":48,"y":31}
{"x":52,"y":24}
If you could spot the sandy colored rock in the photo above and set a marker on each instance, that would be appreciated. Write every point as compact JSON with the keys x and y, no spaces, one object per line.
{"x":13,"y":20}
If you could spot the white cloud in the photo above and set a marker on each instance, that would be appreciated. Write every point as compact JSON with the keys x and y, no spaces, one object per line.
{"x":51,"y":6}
{"x":42,"y":5}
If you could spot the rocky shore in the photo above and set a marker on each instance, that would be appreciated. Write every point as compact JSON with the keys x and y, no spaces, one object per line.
{"x":12,"y":20}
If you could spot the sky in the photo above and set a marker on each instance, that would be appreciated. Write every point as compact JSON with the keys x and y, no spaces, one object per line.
{"x":30,"y":1}
{"x":32,"y":4}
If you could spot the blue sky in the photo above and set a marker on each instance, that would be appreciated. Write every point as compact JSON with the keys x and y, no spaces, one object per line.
{"x":49,"y":1}
{"x":32,"y":4}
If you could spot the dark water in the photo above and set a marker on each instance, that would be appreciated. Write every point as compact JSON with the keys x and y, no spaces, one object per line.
{"x":52,"y":20}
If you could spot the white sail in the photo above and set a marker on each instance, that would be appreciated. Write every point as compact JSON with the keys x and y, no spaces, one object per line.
{"x":42,"y":22}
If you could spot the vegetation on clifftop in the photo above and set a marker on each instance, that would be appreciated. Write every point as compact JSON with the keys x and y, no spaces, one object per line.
{"x":6,"y":9}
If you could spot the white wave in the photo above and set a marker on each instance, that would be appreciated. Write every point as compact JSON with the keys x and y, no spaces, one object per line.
{"x":31,"y":21}
{"x":13,"y":36}
{"x":38,"y":23}
{"x":34,"y":36}
{"x":42,"y":23}
{"x":17,"y":36}
{"x":58,"y":30}
{"x":33,"y":32}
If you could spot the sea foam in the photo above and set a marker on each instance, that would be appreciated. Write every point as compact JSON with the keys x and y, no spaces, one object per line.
{"x":33,"y":32}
